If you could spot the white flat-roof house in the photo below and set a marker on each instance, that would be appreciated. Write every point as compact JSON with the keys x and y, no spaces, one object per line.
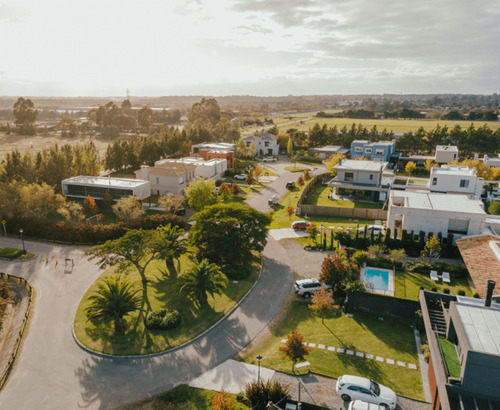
{"x":446,"y":154}
{"x":455,"y":179}
{"x":82,"y":186}
{"x":265,"y":144}
{"x":362,"y":180}
{"x":329,"y":150}
{"x":207,"y":169}
{"x":434,"y":212}
{"x":167,"y":178}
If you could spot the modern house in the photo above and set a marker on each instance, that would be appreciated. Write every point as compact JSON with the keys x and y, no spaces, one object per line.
{"x":456,"y":179}
{"x":328,"y":150}
{"x":375,"y":151}
{"x":362,"y":180}
{"x":82,"y":186}
{"x":215,"y":150}
{"x":167,"y":178}
{"x":463,"y":334}
{"x":492,"y":162}
{"x":446,"y":154}
{"x":436,"y":213}
{"x":265,"y":144}
{"x":207,"y":169}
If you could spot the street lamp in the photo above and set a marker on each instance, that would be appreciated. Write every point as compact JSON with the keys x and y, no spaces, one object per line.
{"x":259,"y":358}
{"x":22,"y":239}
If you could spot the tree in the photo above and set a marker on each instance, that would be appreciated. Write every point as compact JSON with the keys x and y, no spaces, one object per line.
{"x":25,"y":115}
{"x":72,"y":212}
{"x":229,"y":233}
{"x":410,"y":167}
{"x":249,"y":179}
{"x":307,"y":175}
{"x":334,"y":269}
{"x":203,"y":279}
{"x":201,"y":193}
{"x":295,"y":349}
{"x":494,"y":208}
{"x":257,"y":171}
{"x":376,"y":250}
{"x":136,"y":248}
{"x":107,"y":200}
{"x":322,"y":303}
{"x":145,"y":117}
{"x":396,"y":256}
{"x":206,"y":112}
{"x":171,"y":203}
{"x":429,"y":164}
{"x":113,"y":299}
{"x":290,"y":211}
{"x":289,"y":147}
{"x":171,"y":246}
{"x":224,"y":192}
{"x":128,"y":209}
{"x":235,"y":189}
{"x":300,"y":181}
{"x":432,"y":249}
{"x":89,"y":206}
{"x":313,"y":231}
{"x":223,"y":401}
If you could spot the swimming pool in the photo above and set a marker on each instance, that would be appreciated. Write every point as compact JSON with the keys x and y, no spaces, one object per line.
{"x":378,"y":280}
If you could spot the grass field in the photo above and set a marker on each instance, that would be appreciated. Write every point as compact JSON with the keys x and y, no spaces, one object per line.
{"x":450,"y":357}
{"x":391,"y":338}
{"x":408,"y":285}
{"x":393,"y":125}
{"x":319,"y":196}
{"x":161,"y":292}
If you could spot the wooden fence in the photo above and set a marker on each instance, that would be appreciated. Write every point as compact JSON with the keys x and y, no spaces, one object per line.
{"x":27,"y":286}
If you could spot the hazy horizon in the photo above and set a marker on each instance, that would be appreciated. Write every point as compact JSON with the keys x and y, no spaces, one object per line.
{"x":57,"y":48}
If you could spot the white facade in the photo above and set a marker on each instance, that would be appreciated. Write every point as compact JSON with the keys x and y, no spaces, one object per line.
{"x":265,"y":144}
{"x":167,"y":178}
{"x":455,"y":179}
{"x":210,"y":169}
{"x":82,"y":186}
{"x":492,"y":162}
{"x":446,"y":154}
{"x":436,"y":213}
{"x":360,"y":172}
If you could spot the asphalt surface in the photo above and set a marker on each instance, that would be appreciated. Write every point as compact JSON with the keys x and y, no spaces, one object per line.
{"x":53,"y":372}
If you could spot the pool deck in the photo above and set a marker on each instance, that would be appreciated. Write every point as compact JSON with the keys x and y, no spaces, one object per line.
{"x":391,"y":281}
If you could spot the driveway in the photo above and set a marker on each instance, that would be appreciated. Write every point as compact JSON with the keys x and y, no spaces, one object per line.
{"x":52,"y":372}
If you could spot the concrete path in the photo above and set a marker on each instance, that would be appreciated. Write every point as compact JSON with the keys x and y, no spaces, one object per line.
{"x":285,"y":233}
{"x":231,"y":375}
{"x":52,"y":372}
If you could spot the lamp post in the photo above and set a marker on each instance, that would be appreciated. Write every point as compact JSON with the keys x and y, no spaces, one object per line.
{"x":259,"y":358}
{"x":22,"y":239}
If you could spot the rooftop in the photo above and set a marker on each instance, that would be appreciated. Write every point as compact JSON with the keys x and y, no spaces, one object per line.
{"x":196,"y":161}
{"x":373,"y":143}
{"x":216,"y":145}
{"x":453,"y":170}
{"x":440,"y":202}
{"x":370,"y":166}
{"x":452,"y":148}
{"x":105,"y":181}
{"x":482,"y":327}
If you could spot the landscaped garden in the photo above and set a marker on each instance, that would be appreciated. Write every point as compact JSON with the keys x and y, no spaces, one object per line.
{"x":14,"y":254}
{"x":389,"y":338}
{"x":319,"y":196}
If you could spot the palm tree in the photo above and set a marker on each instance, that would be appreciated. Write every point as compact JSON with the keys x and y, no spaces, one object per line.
{"x":171,"y":246}
{"x":201,"y":280}
{"x":113,"y":300}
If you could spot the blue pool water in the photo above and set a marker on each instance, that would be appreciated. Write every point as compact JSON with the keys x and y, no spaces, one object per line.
{"x":379,"y":278}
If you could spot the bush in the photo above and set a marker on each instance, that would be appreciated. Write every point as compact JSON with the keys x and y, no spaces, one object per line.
{"x":461,"y":292}
{"x":475,"y":294}
{"x":434,"y":289}
{"x":419,"y":321}
{"x":259,"y":394}
{"x":360,"y":257}
{"x":163,"y":319}
{"x":425,"y":350}
{"x":11,"y":253}
{"x":446,"y":290}
{"x":237,"y":272}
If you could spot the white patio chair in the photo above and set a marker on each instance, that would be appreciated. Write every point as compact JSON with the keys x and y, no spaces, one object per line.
{"x":434,"y":275}
{"x":446,"y":277}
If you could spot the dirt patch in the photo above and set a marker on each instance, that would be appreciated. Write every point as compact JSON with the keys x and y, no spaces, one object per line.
{"x":13,"y":321}
{"x":35,"y":143}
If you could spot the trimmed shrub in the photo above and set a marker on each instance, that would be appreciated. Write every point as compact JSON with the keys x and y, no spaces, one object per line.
{"x":446,"y":290}
{"x":163,"y":319}
{"x":475,"y":294}
{"x":434,"y":289}
{"x":11,"y":253}
{"x":360,"y":257}
{"x":259,"y":394}
{"x":461,"y":292}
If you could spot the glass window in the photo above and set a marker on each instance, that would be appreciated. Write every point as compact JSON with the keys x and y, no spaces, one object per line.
{"x":434,"y":181}
{"x":349,"y":176}
{"x":464,"y":183}
{"x":368,"y":150}
{"x":379,"y":152}
{"x":358,"y":149}
{"x":371,"y":177}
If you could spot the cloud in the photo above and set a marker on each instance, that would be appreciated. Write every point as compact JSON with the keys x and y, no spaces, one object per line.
{"x":12,"y":13}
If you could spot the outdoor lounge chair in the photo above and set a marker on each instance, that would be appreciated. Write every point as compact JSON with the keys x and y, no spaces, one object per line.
{"x":446,"y":277}
{"x":434,"y":275}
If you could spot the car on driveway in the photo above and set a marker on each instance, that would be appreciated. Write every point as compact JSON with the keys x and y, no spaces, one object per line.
{"x":375,"y":228}
{"x":240,"y":176}
{"x":360,"y":388}
{"x":306,"y":287}
{"x":290,"y":185}
{"x":363,"y":405}
{"x":300,"y":225}
{"x":269,"y":159}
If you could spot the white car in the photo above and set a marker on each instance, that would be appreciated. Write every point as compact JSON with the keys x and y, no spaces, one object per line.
{"x":375,"y":228}
{"x":269,"y":159}
{"x":240,"y":176}
{"x":363,"y":405}
{"x":306,"y":287}
{"x":360,"y":388}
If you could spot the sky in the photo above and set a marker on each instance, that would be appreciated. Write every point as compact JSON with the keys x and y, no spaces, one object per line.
{"x":248,"y":47}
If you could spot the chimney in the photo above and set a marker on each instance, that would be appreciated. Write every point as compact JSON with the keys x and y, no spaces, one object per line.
{"x":145,"y":172}
{"x":489,"y":293}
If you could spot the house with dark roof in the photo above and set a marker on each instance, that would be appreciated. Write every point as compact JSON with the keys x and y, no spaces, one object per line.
{"x":265,"y":144}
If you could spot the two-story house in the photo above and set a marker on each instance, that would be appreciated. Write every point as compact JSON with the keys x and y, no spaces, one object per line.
{"x":265,"y":144}
{"x":167,"y":178}
{"x":456,"y":179}
{"x":215,"y":150}
{"x":446,"y":154}
{"x":206,"y":169}
{"x":375,"y":151}
{"x":362,"y":180}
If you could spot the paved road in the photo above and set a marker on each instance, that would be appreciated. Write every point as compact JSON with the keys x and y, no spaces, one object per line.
{"x":52,"y":372}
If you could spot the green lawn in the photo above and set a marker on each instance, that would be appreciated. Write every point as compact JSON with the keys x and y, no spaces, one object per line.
{"x":408,"y":285}
{"x":391,"y":338}
{"x":319,"y":196}
{"x":161,"y":292}
{"x":181,"y":397}
{"x":450,"y":357}
{"x":297,"y":168}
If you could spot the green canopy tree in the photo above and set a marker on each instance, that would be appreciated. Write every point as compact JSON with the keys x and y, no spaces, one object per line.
{"x":203,"y":279}
{"x":201,"y":193}
{"x":25,"y":115}
{"x":170,"y":245}
{"x":229,"y":233}
{"x":113,"y":299}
